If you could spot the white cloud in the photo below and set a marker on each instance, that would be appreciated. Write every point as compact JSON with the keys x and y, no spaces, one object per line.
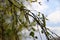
{"x":40,"y":0}
{"x":55,"y":30}
{"x":54,"y":17}
{"x":36,"y":6}
{"x":39,"y":7}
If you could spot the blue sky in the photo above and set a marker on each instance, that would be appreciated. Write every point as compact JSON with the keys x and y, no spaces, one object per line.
{"x":53,"y":8}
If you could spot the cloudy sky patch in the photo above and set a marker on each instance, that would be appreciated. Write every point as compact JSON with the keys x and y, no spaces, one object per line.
{"x":54,"y":17}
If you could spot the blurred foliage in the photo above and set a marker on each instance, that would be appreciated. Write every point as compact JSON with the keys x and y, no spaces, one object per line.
{"x":12,"y":22}
{"x":14,"y":17}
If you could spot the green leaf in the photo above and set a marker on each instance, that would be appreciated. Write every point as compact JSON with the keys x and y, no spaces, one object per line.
{"x":44,"y":21}
{"x":38,"y":13}
{"x":32,"y":33}
{"x":46,"y":18}
{"x":33,"y":29}
{"x":33,"y":23}
{"x":27,"y":18}
{"x":33,"y":0}
{"x":48,"y":33}
{"x":20,"y":27}
{"x":22,"y":15}
{"x":41,"y":31}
